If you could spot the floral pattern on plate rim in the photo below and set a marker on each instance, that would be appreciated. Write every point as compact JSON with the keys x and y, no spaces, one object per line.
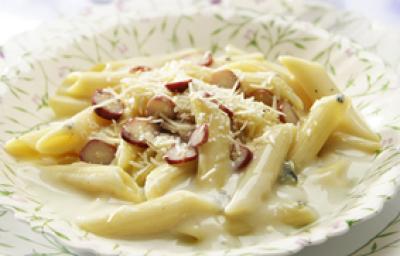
{"x":253,"y":39}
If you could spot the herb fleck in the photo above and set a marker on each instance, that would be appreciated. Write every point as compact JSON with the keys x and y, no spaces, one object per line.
{"x":340,"y":98}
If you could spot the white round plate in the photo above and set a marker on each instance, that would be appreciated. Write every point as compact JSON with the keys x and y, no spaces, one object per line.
{"x":32,"y":74}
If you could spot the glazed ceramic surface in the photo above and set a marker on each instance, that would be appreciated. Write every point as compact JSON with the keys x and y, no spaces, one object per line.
{"x":36,"y":62}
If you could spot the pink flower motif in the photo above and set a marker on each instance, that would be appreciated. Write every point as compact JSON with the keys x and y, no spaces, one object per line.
{"x":87,"y":11}
{"x":215,"y":1}
{"x":302,"y":241}
{"x":349,"y":52}
{"x":18,"y":198}
{"x":36,"y":99}
{"x":336,"y":225}
{"x":63,"y":71}
{"x":387,"y":142}
{"x":1,"y":53}
{"x":123,"y":48}
{"x":120,"y":5}
{"x":249,"y":34}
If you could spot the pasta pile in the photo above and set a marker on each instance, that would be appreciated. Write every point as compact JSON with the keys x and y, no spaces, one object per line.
{"x":165,"y":134}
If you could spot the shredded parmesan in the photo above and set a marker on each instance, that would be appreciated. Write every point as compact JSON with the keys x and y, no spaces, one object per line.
{"x":251,"y":117}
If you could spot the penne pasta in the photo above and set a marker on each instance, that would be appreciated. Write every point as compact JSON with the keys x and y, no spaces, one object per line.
{"x":296,"y":214}
{"x":257,"y":182}
{"x":64,"y":105}
{"x":281,"y":88}
{"x":345,"y":141}
{"x":200,"y":229}
{"x":317,"y":83}
{"x":214,"y":164}
{"x":237,"y":59}
{"x":260,"y":65}
{"x":97,"y":179}
{"x":269,"y":67}
{"x":163,"y":178}
{"x":84,"y":84}
{"x":70,"y":135}
{"x":153,"y":62}
{"x":324,"y":117}
{"x":129,"y":220}
{"x":274,"y":83}
{"x":25,"y":145}
{"x":20,"y":148}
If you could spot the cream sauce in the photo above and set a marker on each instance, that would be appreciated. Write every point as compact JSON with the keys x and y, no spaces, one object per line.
{"x":323,"y":186}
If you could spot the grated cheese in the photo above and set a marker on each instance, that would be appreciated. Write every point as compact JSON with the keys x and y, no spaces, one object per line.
{"x":250,"y":116}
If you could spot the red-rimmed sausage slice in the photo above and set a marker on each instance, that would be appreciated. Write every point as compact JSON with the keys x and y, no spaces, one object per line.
{"x":288,"y":116}
{"x":97,"y":152}
{"x":139,"y":131}
{"x":262,"y":95}
{"x":181,"y":153}
{"x":161,"y":105}
{"x":178,"y":86}
{"x":199,"y":136}
{"x":224,"y":78}
{"x":241,"y":156}
{"x":112,"y":110}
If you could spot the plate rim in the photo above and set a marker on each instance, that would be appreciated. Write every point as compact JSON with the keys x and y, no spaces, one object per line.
{"x":344,"y":229}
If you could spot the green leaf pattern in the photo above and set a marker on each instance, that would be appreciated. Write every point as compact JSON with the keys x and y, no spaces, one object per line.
{"x":32,"y":62}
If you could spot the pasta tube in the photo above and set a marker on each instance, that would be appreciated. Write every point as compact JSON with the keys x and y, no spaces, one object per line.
{"x":201,"y":229}
{"x":84,"y":84}
{"x":159,"y":215}
{"x":272,"y":81}
{"x":317,"y":83}
{"x":214,"y":165}
{"x":343,"y":140}
{"x":324,"y":117}
{"x":163,"y":178}
{"x":155,"y":61}
{"x":295,"y":214}
{"x":64,"y":105}
{"x":261,"y":65}
{"x":260,"y":176}
{"x":69,"y":136}
{"x":19,"y":148}
{"x":24,"y":145}
{"x":97,"y":179}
